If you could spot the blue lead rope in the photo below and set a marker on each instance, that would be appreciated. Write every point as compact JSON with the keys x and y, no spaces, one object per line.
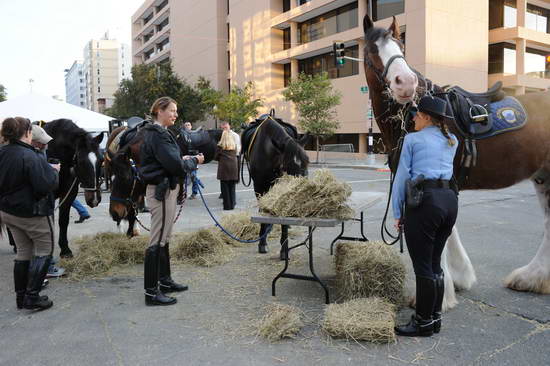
{"x":227,"y":232}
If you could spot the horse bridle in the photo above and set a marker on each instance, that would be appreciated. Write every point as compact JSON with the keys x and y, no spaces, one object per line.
{"x":135,"y":178}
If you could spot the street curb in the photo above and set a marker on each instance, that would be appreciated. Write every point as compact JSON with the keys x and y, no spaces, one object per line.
{"x":343,"y":166}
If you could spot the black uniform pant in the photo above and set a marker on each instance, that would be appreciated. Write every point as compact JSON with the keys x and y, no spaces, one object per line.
{"x":228,"y":194}
{"x":427,"y":228}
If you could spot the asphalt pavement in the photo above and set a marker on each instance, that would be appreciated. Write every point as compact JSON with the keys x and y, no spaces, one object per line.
{"x":104,"y":321}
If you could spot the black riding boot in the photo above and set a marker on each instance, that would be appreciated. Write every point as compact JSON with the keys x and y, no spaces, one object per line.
{"x":421,"y":324}
{"x":439,"y":293}
{"x":38,"y":269}
{"x":20,"y":280}
{"x":166,"y":282}
{"x":153,"y":295}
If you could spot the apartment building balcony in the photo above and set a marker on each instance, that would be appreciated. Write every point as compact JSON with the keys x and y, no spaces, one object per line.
{"x":155,"y":38}
{"x":531,"y":36}
{"x":535,"y":81}
{"x":158,"y":56}
{"x":157,"y":18}
{"x":306,"y":11}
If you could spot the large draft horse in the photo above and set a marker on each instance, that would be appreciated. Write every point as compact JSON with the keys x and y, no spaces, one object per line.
{"x":392,"y":84}
{"x":80,"y":160}
{"x":272,"y":149}
{"x":127,"y":190}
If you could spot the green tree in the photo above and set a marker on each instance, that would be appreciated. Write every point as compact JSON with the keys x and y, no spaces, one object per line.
{"x":135,"y":96}
{"x":210,"y":97}
{"x":315,"y":100}
{"x":3,"y":93}
{"x":238,"y":106}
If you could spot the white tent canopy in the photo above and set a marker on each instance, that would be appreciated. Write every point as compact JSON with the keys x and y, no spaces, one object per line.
{"x":38,"y":107}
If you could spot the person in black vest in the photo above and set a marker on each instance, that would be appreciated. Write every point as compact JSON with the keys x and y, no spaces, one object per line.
{"x":430,"y":153}
{"x":161,"y":167}
{"x":26,"y":207}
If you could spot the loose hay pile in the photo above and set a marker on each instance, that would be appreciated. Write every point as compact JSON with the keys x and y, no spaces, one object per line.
{"x":321,"y":195}
{"x":101,"y":252}
{"x":371,"y":319}
{"x":280,"y":321}
{"x":204,"y":247}
{"x":369,"y":269}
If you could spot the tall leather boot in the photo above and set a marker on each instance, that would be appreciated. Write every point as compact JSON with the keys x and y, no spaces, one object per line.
{"x":20,"y":280}
{"x":439,"y":293}
{"x":421,"y":324}
{"x":38,"y":269}
{"x":166,"y":282}
{"x":153,"y":295}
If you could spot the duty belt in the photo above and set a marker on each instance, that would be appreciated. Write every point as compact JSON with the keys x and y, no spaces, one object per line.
{"x":436,"y":183}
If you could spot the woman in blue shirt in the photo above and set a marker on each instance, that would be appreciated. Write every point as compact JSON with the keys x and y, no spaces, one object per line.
{"x":429,"y":152}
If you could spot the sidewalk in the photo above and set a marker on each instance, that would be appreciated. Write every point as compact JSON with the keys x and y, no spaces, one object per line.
{"x":351,"y":161}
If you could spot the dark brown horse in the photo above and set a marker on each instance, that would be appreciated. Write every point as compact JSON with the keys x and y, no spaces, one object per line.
{"x":272,"y":149}
{"x":386,"y":71}
{"x":127,"y":189}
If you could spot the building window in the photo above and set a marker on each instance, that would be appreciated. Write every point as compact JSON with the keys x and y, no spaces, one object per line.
{"x":286,"y":39}
{"x":503,"y":13}
{"x":98,"y":70}
{"x":162,"y":5}
{"x":164,"y":23}
{"x":81,"y":95}
{"x":81,"y":80}
{"x":302,"y":2}
{"x":99,"y":89}
{"x":286,"y":5}
{"x":148,"y":18}
{"x":287,"y":74}
{"x":228,"y":33}
{"x":324,"y":25}
{"x":502,"y":59}
{"x":228,"y":60}
{"x":98,"y":80}
{"x":82,"y":104}
{"x":325,"y":63}
{"x":382,"y":9}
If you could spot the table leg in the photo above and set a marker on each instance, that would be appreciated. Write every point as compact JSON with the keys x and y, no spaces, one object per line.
{"x":284,"y":249}
{"x":327,"y":297}
{"x":352,"y":238}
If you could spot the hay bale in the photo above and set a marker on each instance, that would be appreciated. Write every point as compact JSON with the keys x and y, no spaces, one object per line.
{"x":204,"y":247}
{"x":101,"y":252}
{"x":369,"y":269}
{"x":371,"y":319}
{"x":320,"y":195}
{"x":280,"y":321}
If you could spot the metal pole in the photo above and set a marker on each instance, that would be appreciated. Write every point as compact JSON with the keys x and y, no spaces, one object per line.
{"x":370,"y":146}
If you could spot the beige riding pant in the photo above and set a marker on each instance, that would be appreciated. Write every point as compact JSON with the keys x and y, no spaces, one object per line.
{"x":155,"y":207}
{"x":32,"y":235}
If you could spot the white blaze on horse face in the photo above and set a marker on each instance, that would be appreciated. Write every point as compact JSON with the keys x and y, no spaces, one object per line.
{"x":403,"y":81}
{"x":93,"y":161}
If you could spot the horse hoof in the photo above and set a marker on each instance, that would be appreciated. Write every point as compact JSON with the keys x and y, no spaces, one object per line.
{"x":262,"y":248}
{"x":283,"y":255}
{"x":66,"y":253}
{"x":535,"y":280}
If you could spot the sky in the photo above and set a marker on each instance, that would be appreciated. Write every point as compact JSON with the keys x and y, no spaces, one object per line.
{"x":42,"y":38}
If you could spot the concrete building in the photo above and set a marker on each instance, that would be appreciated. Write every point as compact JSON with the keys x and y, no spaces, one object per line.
{"x":191,"y":34}
{"x":75,"y":85}
{"x":106,"y":63}
{"x":471,"y":43}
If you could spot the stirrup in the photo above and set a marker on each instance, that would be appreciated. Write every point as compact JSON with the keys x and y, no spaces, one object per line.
{"x":481,"y":115}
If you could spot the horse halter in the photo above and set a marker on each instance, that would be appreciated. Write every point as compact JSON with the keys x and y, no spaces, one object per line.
{"x":95,"y":188}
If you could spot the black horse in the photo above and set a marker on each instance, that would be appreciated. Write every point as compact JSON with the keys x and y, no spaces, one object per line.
{"x":128,"y":191}
{"x":80,"y":160}
{"x":272,"y":149}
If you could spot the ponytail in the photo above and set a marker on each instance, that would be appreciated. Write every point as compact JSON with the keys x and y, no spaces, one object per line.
{"x":437,"y":121}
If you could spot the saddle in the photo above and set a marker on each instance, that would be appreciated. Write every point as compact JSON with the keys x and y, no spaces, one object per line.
{"x":471,"y":110}
{"x":131,"y":132}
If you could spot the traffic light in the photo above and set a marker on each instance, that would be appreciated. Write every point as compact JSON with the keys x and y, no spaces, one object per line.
{"x":339,"y":50}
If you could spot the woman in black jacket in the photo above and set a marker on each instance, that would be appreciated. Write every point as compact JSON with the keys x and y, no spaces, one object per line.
{"x":26,"y":207}
{"x":228,"y":169}
{"x":161,"y":166}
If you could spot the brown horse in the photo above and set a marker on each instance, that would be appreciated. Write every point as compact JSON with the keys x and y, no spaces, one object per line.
{"x":386,"y":72}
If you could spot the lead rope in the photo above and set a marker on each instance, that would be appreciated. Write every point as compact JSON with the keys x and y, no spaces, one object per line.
{"x":67,"y":195}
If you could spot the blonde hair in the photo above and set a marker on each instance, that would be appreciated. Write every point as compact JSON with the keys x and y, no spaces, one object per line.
{"x":227,"y":142}
{"x":161,"y":104}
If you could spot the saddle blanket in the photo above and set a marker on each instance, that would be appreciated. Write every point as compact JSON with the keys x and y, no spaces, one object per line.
{"x":506,"y":115}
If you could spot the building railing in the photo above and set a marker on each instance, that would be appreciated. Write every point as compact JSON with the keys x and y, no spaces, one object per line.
{"x":539,"y":74}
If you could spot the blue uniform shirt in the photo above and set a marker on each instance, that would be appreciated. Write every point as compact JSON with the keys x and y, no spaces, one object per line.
{"x":424,"y":152}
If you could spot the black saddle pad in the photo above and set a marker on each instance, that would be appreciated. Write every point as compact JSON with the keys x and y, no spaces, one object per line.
{"x":130,"y":133}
